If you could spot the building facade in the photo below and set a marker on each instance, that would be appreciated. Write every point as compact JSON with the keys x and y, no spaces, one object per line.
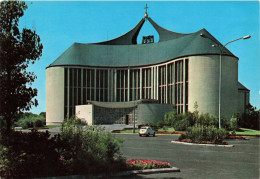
{"x":177,"y":71}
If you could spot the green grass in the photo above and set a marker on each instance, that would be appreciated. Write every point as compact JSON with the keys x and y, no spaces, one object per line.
{"x":45,"y":127}
{"x":129,"y":131}
{"x":248,"y":132}
{"x":167,"y":129}
{"x":53,"y":126}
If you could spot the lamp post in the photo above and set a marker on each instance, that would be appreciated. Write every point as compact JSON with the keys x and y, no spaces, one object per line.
{"x":134,"y":102}
{"x":221,"y":47}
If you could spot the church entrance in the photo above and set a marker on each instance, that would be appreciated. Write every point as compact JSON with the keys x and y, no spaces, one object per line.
{"x":127,"y":119}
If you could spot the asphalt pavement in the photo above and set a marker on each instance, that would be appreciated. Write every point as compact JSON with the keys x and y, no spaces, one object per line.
{"x":240,"y":161}
{"x":107,"y":127}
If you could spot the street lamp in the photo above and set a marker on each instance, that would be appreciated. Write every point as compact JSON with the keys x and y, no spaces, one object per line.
{"x":134,"y":102}
{"x":221,"y":47}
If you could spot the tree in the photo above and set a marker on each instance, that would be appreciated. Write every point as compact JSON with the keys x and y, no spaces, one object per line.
{"x":251,"y":119}
{"x":17,"y":51}
{"x":43,"y":114}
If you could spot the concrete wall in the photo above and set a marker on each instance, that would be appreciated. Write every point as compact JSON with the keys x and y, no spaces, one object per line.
{"x":204,"y":84}
{"x":148,"y":113}
{"x":85,"y":113}
{"x":114,"y":115}
{"x":243,"y":101}
{"x":54,"y":95}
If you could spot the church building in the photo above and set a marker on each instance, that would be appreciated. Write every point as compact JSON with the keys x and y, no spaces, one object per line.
{"x":121,"y":82}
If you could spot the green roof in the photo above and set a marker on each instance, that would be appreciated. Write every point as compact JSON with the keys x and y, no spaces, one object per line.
{"x":124,"y":50}
{"x":242,"y":87}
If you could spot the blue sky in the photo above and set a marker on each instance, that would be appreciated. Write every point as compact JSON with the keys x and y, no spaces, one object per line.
{"x":62,"y":23}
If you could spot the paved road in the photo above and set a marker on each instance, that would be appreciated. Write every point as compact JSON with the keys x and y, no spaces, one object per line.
{"x":241,"y":161}
{"x":108,"y":127}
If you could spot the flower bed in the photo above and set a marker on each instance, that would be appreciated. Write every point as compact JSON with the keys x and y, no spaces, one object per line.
{"x":202,"y":142}
{"x":167,"y":132}
{"x":139,"y":164}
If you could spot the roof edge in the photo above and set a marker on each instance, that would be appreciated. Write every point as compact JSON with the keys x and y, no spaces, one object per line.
{"x":186,"y":56}
{"x":129,"y":38}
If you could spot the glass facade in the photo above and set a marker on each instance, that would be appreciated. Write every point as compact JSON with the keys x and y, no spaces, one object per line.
{"x":167,"y":83}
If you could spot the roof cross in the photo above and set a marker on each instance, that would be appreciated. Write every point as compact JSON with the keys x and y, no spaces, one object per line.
{"x":146,"y":7}
{"x":146,"y":15}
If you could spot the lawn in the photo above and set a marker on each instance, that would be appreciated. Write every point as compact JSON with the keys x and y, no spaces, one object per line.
{"x":248,"y":132}
{"x":45,"y":127}
{"x":167,"y":129}
{"x":129,"y":131}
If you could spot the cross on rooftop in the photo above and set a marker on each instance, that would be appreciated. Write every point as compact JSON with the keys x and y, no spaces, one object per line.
{"x":146,"y":15}
{"x":146,"y":7}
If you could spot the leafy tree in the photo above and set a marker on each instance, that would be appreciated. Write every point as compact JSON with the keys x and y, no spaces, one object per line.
{"x":43,"y":114}
{"x":251,"y":119}
{"x":18,"y":48}
{"x":30,"y":120}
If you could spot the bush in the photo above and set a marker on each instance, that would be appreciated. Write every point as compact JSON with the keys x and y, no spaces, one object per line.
{"x":204,"y":134}
{"x":88,"y":149}
{"x":39,"y":123}
{"x":224,"y":123}
{"x":78,"y":149}
{"x":170,"y":118}
{"x":181,"y":122}
{"x":207,"y":119}
{"x":234,"y":122}
{"x":181,"y":125}
{"x":26,"y":155}
{"x":156,"y":125}
{"x":30,"y":120}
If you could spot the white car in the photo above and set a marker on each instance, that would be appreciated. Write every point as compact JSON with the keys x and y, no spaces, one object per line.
{"x":146,"y":130}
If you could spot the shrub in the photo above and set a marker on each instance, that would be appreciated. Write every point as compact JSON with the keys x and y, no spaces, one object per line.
{"x":170,"y":118}
{"x":164,"y":128}
{"x":78,"y":149}
{"x":39,"y":123}
{"x":88,"y":149}
{"x":4,"y":161}
{"x":155,"y":125}
{"x":203,"y":134}
{"x":26,"y":155}
{"x":183,"y":136}
{"x":234,"y":122}
{"x":179,"y":122}
{"x":181,"y":125}
{"x":207,"y":119}
{"x":224,"y":123}
{"x":30,"y":120}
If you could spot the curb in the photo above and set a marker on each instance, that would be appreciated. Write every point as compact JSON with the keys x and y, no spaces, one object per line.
{"x":209,"y":145}
{"x":137,"y":134}
{"x":146,"y":171}
{"x":124,"y":173}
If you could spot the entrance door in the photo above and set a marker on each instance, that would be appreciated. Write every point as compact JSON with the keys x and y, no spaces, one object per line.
{"x":126,"y":119}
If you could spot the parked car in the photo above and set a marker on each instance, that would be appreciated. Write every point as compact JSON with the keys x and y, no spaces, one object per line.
{"x":146,"y":130}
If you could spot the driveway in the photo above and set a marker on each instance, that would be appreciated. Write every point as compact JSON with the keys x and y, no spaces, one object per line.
{"x":241,"y":161}
{"x":107,"y":127}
